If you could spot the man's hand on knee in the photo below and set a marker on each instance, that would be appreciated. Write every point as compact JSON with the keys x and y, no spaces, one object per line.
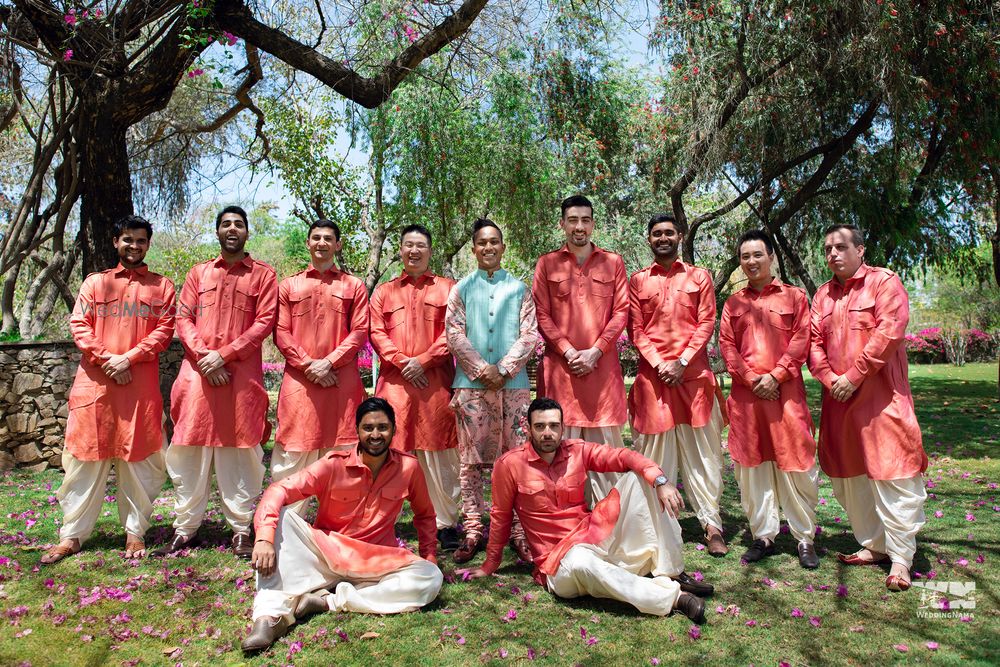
{"x":264,"y":560}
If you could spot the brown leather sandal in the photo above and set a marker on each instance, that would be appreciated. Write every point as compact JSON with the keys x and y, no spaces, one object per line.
{"x":132,"y":545}
{"x":57,"y":553}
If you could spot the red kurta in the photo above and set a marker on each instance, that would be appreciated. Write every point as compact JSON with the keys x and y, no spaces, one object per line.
{"x":320,"y":315}
{"x":407,"y":321}
{"x":230,"y":309}
{"x":119,"y":311}
{"x":670,"y":313}
{"x":858,"y":330}
{"x":582,"y":306}
{"x":768,"y":332}
{"x":355,"y":523}
{"x":549,"y":499}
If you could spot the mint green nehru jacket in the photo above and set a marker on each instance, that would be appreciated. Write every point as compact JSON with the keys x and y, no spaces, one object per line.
{"x":492,"y":321}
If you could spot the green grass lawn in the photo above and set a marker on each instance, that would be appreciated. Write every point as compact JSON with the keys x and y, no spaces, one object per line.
{"x":95,"y":609}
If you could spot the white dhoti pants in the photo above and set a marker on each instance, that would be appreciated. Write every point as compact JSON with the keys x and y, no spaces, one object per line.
{"x":698,"y":454}
{"x":884,"y":514}
{"x":239,"y":474}
{"x":81,"y":494}
{"x":441,"y":470}
{"x":765,"y":490}
{"x":645,"y":540}
{"x":302,"y":568}
{"x":285,"y":464}
{"x":599,"y":484}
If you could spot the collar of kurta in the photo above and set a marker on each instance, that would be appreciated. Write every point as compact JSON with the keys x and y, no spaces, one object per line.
{"x":773,"y":286}
{"x":333,"y":270}
{"x":594,"y":250}
{"x":533,"y":456}
{"x":354,"y":459}
{"x":858,"y":277}
{"x":676,"y":267}
{"x":246,"y":261}
{"x":139,"y":270}
{"x":498,"y":275}
{"x":423,"y":277}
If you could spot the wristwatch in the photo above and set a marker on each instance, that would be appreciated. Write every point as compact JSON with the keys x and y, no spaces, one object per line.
{"x":684,"y":362}
{"x":659,"y":481}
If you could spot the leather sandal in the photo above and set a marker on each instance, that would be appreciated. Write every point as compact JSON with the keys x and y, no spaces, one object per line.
{"x":57,"y":553}
{"x":896,"y":583}
{"x":855,"y":559}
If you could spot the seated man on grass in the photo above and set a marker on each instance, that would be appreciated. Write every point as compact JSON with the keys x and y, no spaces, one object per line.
{"x":349,"y":559}
{"x":607,"y":553}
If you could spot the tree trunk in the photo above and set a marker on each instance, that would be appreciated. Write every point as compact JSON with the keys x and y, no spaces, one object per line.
{"x":106,"y":185}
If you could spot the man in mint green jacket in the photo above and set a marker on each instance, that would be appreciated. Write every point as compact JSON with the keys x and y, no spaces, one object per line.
{"x":492,"y":331}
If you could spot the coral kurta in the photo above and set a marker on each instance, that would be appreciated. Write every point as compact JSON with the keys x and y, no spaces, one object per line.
{"x":671,"y":312}
{"x":320,"y":315}
{"x":119,"y":311}
{"x":858,"y":330}
{"x":355,"y":523}
{"x":768,"y":332}
{"x":230,"y":309}
{"x":548,"y":498}
{"x":582,"y":306}
{"x":407,"y":321}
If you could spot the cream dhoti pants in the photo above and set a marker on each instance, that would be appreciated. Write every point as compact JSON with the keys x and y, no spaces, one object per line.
{"x":599,"y":484}
{"x":698,"y":454}
{"x":441,"y":470}
{"x":645,"y":540}
{"x":765,"y":490}
{"x":239,"y":475}
{"x":302,"y":568}
{"x":285,"y":464}
{"x":81,"y":493}
{"x":884,"y":514}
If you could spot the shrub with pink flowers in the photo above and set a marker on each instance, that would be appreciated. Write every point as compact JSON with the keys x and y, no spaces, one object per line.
{"x":929,"y":346}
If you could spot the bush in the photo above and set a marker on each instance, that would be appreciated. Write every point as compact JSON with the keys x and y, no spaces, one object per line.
{"x":930,"y":346}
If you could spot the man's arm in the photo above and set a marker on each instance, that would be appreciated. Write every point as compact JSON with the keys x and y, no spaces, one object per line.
{"x":159,"y":338}
{"x":519,"y":353}
{"x":82,"y":323}
{"x":294,"y":353}
{"x":543,"y":310}
{"x":892,"y":314}
{"x":348,"y":349}
{"x":705,"y":318}
{"x":458,"y":342}
{"x":636,"y":327}
{"x":602,"y":458}
{"x":377,"y":333}
{"x":819,"y":363}
{"x":424,"y":517}
{"x":737,"y":366}
{"x":263,"y":324}
{"x":311,"y":481}
{"x":187,"y":320}
{"x":790,"y":363}
{"x":608,"y":339}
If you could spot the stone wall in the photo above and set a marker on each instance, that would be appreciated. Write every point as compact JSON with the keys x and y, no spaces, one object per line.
{"x":35,"y":379}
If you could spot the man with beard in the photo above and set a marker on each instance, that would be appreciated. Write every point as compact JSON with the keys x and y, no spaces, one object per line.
{"x":416,"y":371}
{"x":581,"y":298}
{"x":218,"y":403}
{"x":764,"y":338}
{"x":869,"y":440}
{"x":349,"y":559}
{"x":492,"y":331}
{"x":322,"y":325}
{"x":607,"y":553}
{"x":123,"y":319}
{"x":676,"y":417}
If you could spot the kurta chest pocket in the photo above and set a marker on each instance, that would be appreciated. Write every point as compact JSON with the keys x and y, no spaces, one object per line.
{"x":207,"y":295}
{"x":245,"y":299}
{"x":532,"y":495}
{"x":559,"y":285}
{"x":570,"y":489}
{"x":394,"y":492}
{"x":393,"y":315}
{"x":300,"y":302}
{"x":434,"y":312}
{"x":603,"y":285}
{"x":781,"y":317}
{"x":861,"y":313}
{"x":339,"y":300}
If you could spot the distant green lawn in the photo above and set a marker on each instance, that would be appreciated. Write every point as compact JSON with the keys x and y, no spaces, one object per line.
{"x":95,"y":609}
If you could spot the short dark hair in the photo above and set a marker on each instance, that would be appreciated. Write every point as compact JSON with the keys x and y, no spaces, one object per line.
{"x":374,"y":404}
{"x":576,"y":200}
{"x":857,"y":236}
{"x":485,"y":222}
{"x":665,"y":217}
{"x":132,"y":222}
{"x":543,"y":403}
{"x":755,"y":235}
{"x":416,"y":229}
{"x":323,"y":222}
{"x":238,"y":210}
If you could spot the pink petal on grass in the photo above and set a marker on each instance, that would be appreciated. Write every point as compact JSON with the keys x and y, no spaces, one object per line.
{"x":932,"y":646}
{"x":694,"y":632}
{"x":938,"y":514}
{"x":797,"y":613}
{"x":815,"y":621}
{"x":902,"y":648}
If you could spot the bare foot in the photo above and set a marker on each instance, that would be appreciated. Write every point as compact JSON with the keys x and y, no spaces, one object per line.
{"x":60,"y":551}
{"x":901,"y":571}
{"x":134,"y":547}
{"x":870,"y":555}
